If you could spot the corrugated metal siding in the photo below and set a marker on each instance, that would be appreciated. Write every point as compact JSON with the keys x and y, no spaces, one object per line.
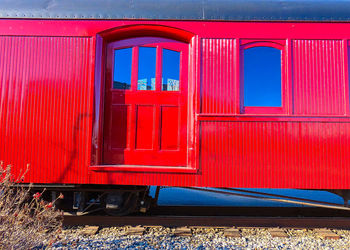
{"x":217,"y":90}
{"x":46,"y":88}
{"x":276,"y":154}
{"x":46,"y":109}
{"x":318,"y":77}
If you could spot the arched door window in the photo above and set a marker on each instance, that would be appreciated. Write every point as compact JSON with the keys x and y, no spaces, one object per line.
{"x":146,"y":64}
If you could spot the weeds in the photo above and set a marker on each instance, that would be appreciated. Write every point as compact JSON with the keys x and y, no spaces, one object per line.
{"x":26,"y":220}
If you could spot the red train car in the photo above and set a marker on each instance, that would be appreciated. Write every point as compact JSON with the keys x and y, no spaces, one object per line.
{"x":158,"y":93}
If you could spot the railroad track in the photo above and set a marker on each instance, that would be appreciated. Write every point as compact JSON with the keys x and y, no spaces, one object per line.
{"x":212,"y":221}
{"x":229,"y":217}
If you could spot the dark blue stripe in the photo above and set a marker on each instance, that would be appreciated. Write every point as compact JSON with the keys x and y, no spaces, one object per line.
{"x":235,"y":10}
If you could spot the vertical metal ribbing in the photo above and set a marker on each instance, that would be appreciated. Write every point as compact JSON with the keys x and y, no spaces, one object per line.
{"x":44,"y":106}
{"x":275,"y":154}
{"x":318,"y":77}
{"x":218,"y":80}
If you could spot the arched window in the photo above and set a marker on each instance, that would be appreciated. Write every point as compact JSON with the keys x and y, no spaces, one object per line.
{"x":262,"y":78}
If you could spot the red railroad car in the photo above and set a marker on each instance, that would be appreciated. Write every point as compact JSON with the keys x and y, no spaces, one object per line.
{"x":163,"y":93}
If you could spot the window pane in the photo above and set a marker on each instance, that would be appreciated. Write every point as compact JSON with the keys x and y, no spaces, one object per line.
{"x":262,"y":77}
{"x":122,"y":68}
{"x":170,"y":70}
{"x":147,"y":69}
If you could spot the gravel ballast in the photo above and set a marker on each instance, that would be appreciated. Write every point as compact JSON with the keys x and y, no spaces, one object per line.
{"x":202,"y":238}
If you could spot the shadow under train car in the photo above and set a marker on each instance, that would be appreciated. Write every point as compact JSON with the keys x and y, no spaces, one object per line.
{"x":176,"y":196}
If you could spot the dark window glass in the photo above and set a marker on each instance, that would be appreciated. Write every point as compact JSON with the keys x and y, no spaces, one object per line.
{"x":122,"y":68}
{"x":262,"y":77}
{"x":147,"y":69}
{"x":170,"y":70}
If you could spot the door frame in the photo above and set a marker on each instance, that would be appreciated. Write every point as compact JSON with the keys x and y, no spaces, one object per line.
{"x":140,"y":30}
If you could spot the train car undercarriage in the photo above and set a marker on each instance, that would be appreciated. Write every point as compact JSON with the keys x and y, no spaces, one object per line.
{"x":124,"y":200}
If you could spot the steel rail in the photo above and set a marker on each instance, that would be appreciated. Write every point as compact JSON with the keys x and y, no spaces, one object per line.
{"x":212,"y":221}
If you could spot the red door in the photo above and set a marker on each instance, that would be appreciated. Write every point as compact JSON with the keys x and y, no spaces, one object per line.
{"x":146,"y":102}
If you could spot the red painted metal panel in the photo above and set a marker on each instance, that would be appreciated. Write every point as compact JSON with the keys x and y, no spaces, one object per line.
{"x":218,"y":88}
{"x":46,"y":107}
{"x":46,"y":88}
{"x":205,"y":29}
{"x":319,"y":77}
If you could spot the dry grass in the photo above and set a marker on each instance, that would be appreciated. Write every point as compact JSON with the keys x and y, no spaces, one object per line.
{"x":26,"y":220}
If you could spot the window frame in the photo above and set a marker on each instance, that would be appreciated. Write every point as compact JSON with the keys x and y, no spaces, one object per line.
{"x":277,"y":44}
{"x":151,"y":42}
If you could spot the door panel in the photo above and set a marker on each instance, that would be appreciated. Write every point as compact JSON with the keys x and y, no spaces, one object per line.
{"x":170,"y":128}
{"x":144,"y":126}
{"x":146,"y":107}
{"x":120,"y":114}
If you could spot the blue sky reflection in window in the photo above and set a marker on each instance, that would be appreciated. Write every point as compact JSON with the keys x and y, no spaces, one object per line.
{"x":122,"y":68}
{"x":170,"y":70}
{"x":262,"y":77}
